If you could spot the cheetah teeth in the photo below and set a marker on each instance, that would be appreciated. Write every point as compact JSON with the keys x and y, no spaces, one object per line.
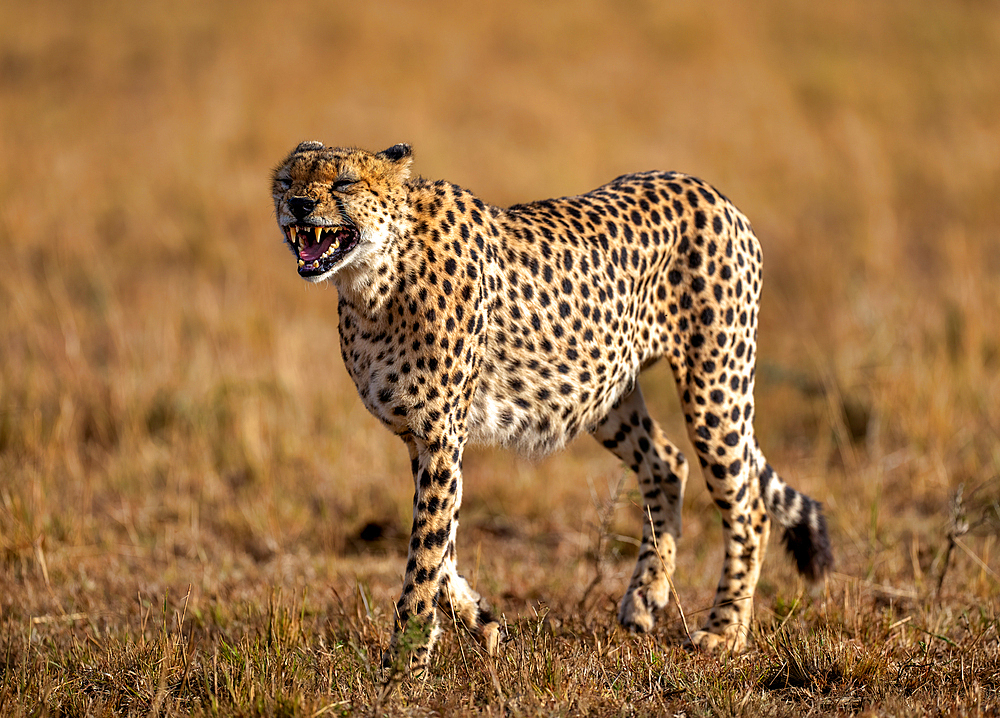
{"x":296,"y":235}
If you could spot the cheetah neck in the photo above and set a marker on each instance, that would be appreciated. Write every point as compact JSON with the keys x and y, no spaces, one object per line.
{"x":367,"y":284}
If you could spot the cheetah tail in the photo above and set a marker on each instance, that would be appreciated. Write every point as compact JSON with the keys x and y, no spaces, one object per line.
{"x":805,"y":535}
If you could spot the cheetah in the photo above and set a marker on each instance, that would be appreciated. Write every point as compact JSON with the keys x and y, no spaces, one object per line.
{"x":522,"y":327}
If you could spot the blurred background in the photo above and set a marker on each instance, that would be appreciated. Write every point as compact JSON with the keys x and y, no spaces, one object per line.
{"x":173,"y":406}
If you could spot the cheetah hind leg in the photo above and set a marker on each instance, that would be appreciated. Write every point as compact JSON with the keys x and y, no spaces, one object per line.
{"x":661,"y":470}
{"x":460,"y":602}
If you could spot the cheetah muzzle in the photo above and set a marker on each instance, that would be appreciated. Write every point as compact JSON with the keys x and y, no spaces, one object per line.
{"x":527,"y":325}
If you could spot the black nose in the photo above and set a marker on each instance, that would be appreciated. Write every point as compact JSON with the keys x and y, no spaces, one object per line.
{"x":301,"y":206}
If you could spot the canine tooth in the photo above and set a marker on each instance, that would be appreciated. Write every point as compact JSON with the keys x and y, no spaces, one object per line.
{"x":302,"y":263}
{"x":318,"y":232}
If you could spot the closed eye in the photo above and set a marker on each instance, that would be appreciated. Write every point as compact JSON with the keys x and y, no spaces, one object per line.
{"x":342,"y":184}
{"x":284,"y":184}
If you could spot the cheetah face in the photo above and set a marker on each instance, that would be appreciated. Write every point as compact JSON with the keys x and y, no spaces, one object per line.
{"x":336,"y":207}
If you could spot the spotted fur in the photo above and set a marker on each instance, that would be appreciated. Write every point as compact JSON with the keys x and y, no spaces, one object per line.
{"x":523,"y":327}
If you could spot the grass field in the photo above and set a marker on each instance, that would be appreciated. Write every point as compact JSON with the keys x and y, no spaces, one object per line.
{"x":198,"y":516}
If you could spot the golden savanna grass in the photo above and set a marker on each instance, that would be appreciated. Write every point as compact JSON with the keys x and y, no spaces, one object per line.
{"x":198,"y":516}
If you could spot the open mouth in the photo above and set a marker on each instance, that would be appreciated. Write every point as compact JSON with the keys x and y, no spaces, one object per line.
{"x":320,"y":249}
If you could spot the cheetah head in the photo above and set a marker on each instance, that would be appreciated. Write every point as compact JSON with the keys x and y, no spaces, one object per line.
{"x":336,"y":207}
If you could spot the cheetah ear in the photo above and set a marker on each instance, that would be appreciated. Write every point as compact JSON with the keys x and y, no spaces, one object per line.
{"x":400,"y":157}
{"x":396,"y":152}
{"x":307,"y":145}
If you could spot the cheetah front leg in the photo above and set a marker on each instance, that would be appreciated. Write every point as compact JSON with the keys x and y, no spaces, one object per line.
{"x":431,"y":574}
{"x":437,"y":495}
{"x":661,"y":469}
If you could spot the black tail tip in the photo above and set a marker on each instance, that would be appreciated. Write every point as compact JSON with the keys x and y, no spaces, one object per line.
{"x":809,"y":544}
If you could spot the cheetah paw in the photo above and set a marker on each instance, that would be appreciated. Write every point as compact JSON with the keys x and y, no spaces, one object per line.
{"x":490,"y":636}
{"x":634,"y":613}
{"x":715,"y":643}
{"x":414,"y":665}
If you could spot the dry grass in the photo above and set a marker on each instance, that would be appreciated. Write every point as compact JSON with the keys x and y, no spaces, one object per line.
{"x":197,"y":516}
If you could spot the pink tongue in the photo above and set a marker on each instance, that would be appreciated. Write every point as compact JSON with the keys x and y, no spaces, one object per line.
{"x":315,"y":251}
